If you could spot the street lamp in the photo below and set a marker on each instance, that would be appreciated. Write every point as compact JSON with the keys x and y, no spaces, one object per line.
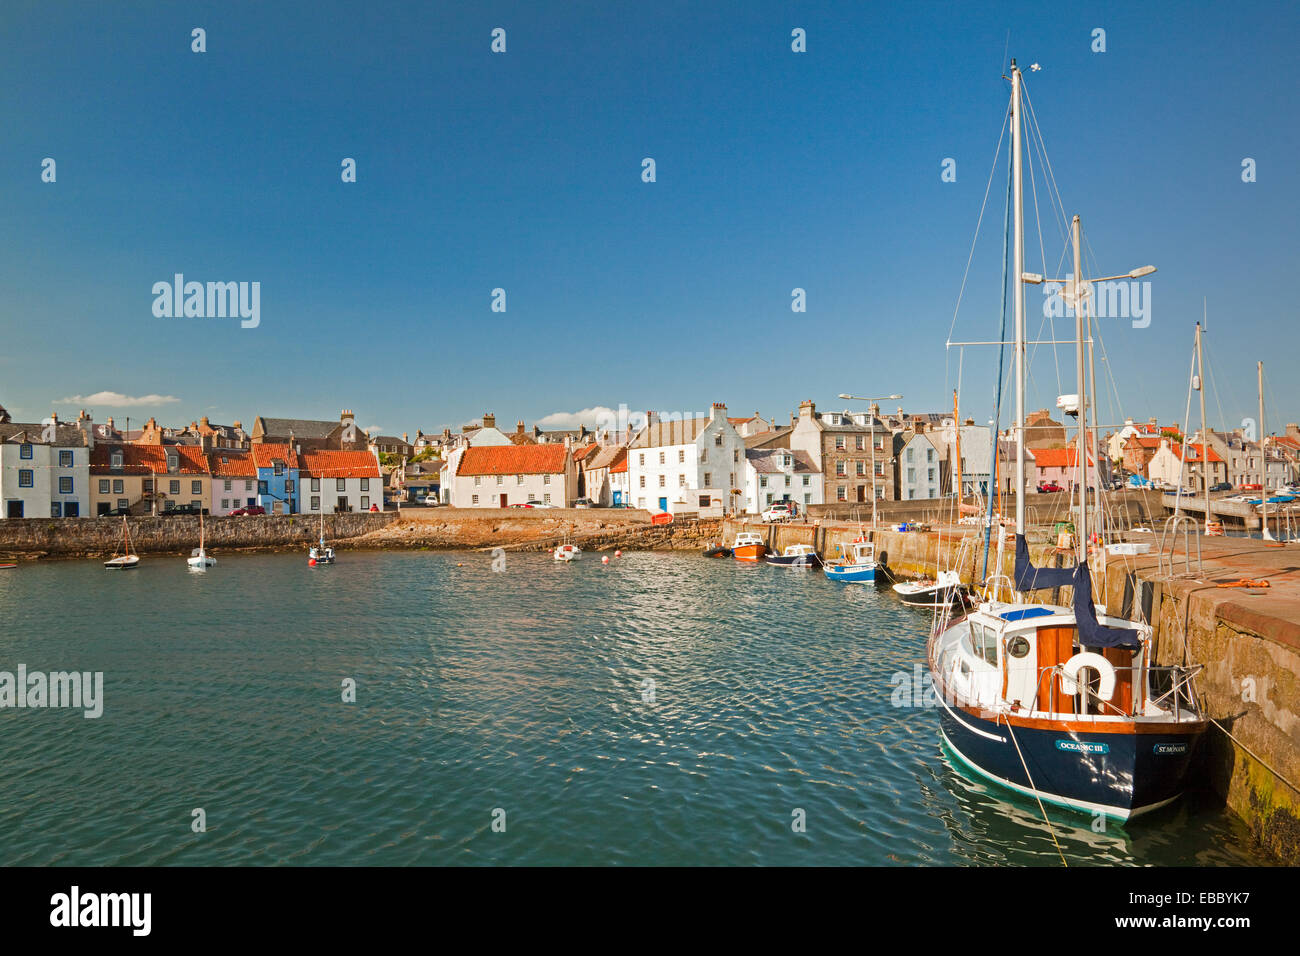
{"x":857,"y":398}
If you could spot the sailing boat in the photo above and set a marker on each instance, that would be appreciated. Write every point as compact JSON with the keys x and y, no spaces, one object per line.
{"x":198,"y":559}
{"x":1062,"y":703}
{"x":320,"y":554}
{"x":127,"y":559}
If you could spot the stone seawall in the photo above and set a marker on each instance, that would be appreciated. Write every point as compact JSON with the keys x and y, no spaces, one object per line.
{"x":1247,"y":639}
{"x":79,"y":537}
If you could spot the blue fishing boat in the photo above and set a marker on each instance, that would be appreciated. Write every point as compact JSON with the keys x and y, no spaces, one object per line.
{"x":859,"y":566}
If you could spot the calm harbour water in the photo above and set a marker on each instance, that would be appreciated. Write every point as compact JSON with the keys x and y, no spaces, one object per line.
{"x":521,"y":690}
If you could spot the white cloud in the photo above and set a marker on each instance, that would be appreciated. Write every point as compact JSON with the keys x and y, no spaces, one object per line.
{"x":600,"y":415}
{"x":118,"y":400}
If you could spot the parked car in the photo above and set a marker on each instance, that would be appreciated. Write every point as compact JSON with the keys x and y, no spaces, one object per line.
{"x":430,"y":501}
{"x":777,"y":512}
{"x":1049,"y":487}
{"x":185,"y":510}
{"x":1221,"y":486}
{"x":116,"y":513}
{"x":1250,"y":487}
{"x":250,"y":510}
{"x":584,"y":503}
{"x":538,"y":504}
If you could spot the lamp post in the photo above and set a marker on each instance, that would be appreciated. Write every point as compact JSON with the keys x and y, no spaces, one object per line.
{"x":856,"y":398}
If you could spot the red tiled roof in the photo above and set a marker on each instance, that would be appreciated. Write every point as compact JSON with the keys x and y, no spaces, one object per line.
{"x":741,"y":421}
{"x":513,"y":460}
{"x":1194,"y":452}
{"x":264,"y":454}
{"x":1144,"y":441}
{"x":582,"y":452}
{"x":338,"y":464}
{"x":149,"y":460}
{"x":619,"y":464}
{"x":1056,"y":457}
{"x":238,"y":464}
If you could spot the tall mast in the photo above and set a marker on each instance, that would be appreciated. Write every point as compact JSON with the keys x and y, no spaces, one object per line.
{"x":1199,"y":385}
{"x":1093,"y":436}
{"x":1082,"y":456}
{"x":1263,"y":458}
{"x":956,"y":430}
{"x":1017,"y":175}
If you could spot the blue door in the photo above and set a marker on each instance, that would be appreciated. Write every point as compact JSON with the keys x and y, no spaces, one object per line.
{"x":618,"y":499}
{"x":663,"y":504}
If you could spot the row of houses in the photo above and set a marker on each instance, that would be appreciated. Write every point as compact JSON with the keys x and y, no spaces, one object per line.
{"x":1160,"y":454}
{"x":81,"y":469}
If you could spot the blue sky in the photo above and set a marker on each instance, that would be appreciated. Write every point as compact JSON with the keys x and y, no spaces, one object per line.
{"x":522,"y":170}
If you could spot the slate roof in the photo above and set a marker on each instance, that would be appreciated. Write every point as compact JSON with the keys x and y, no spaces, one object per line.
{"x":300,"y":427}
{"x":30,"y":433}
{"x":767,"y":461}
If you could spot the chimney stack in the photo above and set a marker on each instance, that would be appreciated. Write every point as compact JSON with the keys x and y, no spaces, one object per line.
{"x":807,"y":408}
{"x":489,"y":420}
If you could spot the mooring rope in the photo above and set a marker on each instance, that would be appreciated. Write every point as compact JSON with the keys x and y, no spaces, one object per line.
{"x":1030,"y":778}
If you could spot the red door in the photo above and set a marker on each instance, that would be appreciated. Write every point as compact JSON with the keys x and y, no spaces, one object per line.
{"x":503,"y":501}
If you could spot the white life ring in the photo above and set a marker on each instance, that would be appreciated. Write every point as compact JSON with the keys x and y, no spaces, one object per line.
{"x":1070,"y":674}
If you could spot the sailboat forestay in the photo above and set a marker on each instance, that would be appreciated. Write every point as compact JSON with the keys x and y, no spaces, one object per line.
{"x":1061,"y":703}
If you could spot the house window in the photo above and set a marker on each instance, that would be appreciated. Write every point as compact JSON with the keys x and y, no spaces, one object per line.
{"x":735,"y":455}
{"x":681,"y":456}
{"x":841,"y":493}
{"x":116,"y":459}
{"x":861,"y":442}
{"x":862,"y":468}
{"x":225,"y":504}
{"x":546,"y":499}
{"x":225,"y":485}
{"x":681,"y":481}
{"x":786,"y":461}
{"x":123,"y":503}
{"x":662,"y":482}
{"x":365,"y":484}
{"x":787,"y":481}
{"x":708,"y":479}
{"x":65,"y":486}
{"x":519,"y":479}
{"x":911,"y":474}
{"x":119,"y":487}
{"x":911,"y":454}
{"x":279,"y":468}
{"x":501,"y":479}
{"x":248,"y":485}
{"x":931,"y":474}
{"x":24,"y":450}
{"x":807,"y":499}
{"x":839,"y":442}
{"x":147,"y":485}
{"x":643,"y":483}
{"x":642,"y":458}
{"x":762,"y":481}
{"x":196,"y":487}
{"x":704,"y":501}
{"x":475,"y":499}
{"x":65,"y":459}
{"x":261,"y":487}
{"x":340,"y":484}
{"x":661,"y":458}
{"x":546,"y":479}
{"x":172,"y":463}
{"x":929,"y":454}
{"x":365,"y":502}
{"x":769,"y":497}
{"x":56,"y":510}
{"x":478,"y":480}
{"x":196,"y":505}
{"x":288,"y":487}
{"x":103,"y":486}
{"x":717,"y":439}
{"x":174,"y":487}
{"x":840,"y":470}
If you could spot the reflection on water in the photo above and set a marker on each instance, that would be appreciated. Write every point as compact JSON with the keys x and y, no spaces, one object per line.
{"x":663,"y":709}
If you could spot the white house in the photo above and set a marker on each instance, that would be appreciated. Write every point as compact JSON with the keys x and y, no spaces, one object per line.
{"x":333,"y":481}
{"x":1169,"y":466}
{"x":454,"y":446}
{"x":781,"y":474}
{"x":602,"y":485}
{"x":917,"y":468}
{"x":44,"y":470}
{"x":692,"y":464}
{"x":498,"y":476}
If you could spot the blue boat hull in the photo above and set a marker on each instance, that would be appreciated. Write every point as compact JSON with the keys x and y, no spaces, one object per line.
{"x":1118,"y":774}
{"x":850,"y":574}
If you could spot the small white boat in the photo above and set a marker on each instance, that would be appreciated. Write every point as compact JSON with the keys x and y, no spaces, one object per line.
{"x":796,"y":556}
{"x":320,"y":553}
{"x":198,"y":559}
{"x":944,"y":590}
{"x":567,"y":552}
{"x":858,"y":566}
{"x":127,"y":560}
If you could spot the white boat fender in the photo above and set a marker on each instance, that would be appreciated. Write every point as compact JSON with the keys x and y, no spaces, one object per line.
{"x":1104,"y":668}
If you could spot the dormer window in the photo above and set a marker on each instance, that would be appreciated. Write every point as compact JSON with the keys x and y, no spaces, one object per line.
{"x":279,"y":467}
{"x":117,"y":459}
{"x":172,"y":463}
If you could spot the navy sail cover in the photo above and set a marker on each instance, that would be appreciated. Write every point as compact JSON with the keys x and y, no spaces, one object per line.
{"x":1092,"y":633}
{"x":1030,"y":578}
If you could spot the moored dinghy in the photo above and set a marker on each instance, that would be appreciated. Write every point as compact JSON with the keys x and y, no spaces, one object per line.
{"x":796,"y":556}
{"x":128,"y":559}
{"x":944,"y":590}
